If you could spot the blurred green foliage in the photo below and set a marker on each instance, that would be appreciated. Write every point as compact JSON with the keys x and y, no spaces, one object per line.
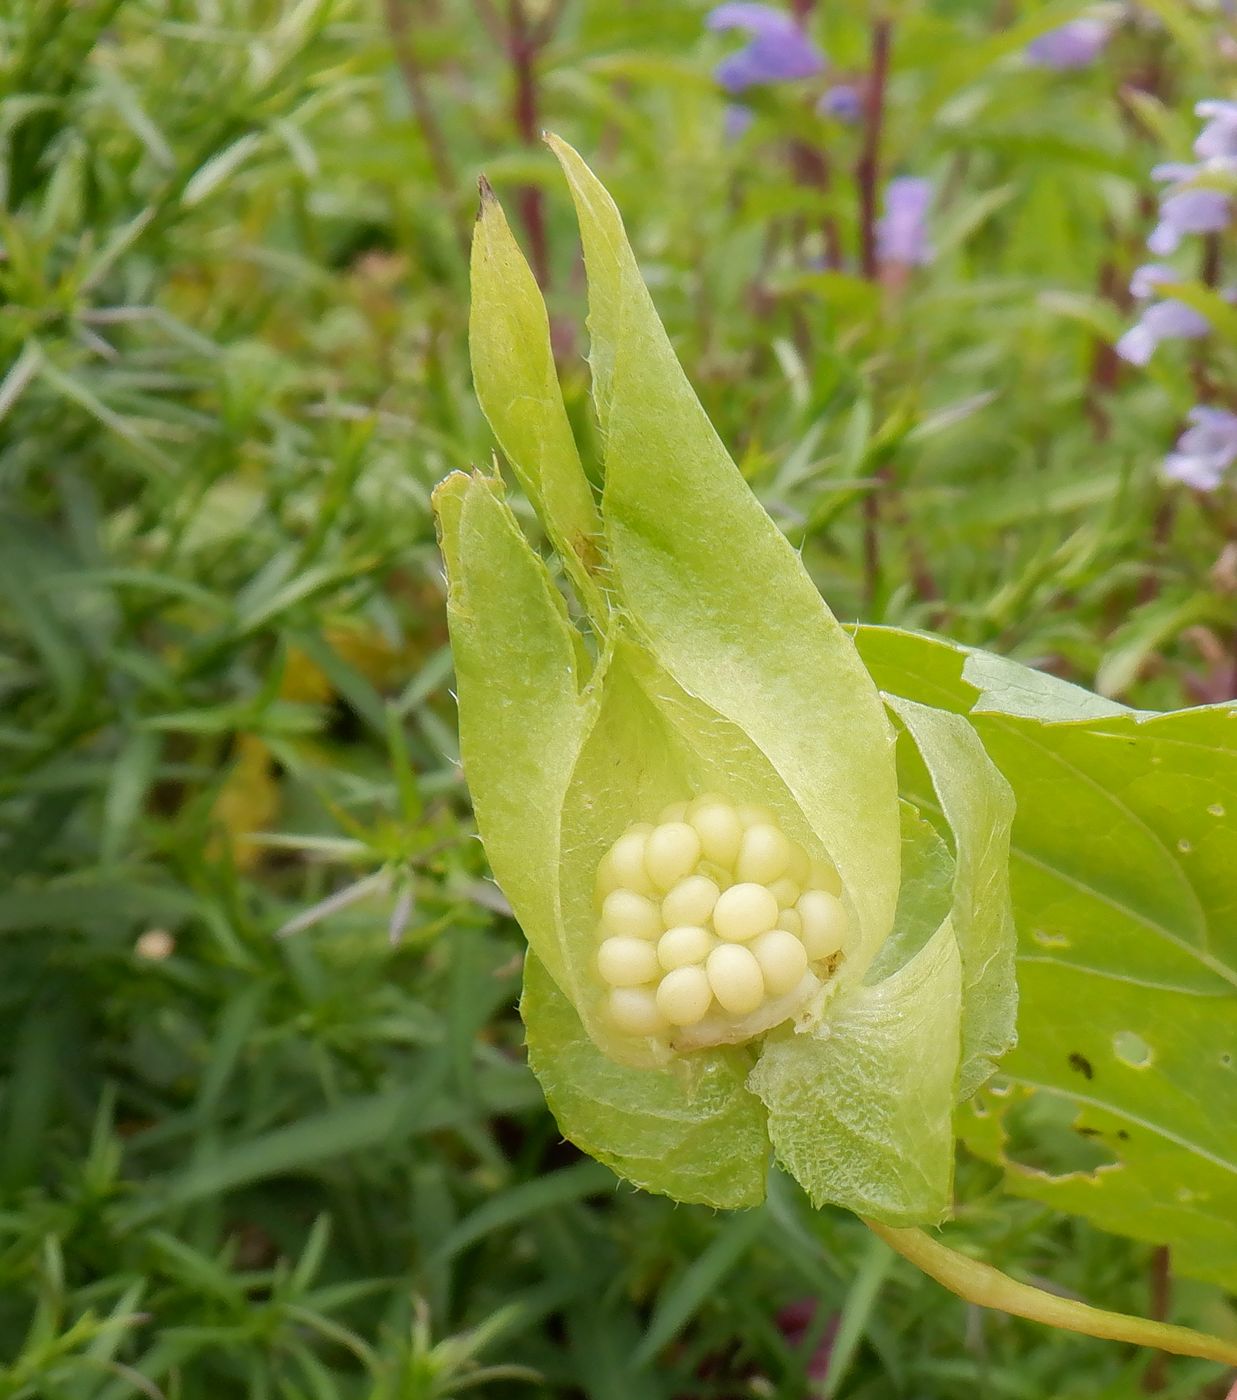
{"x":233,"y":302}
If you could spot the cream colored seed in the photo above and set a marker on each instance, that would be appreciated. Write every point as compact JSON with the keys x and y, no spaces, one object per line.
{"x":824,"y":923}
{"x":721,"y":876}
{"x":631,"y":915}
{"x":672,"y":853}
{"x":825,"y":877}
{"x":684,"y":996}
{"x":789,"y":920}
{"x":675,"y":812}
{"x":786,"y":892}
{"x":706,"y":799}
{"x":764,"y":854}
{"x":800,"y":868}
{"x":690,"y":902}
{"x":626,"y":962}
{"x":753,"y":814}
{"x":743,"y":911}
{"x":634,"y":1010}
{"x":782,"y":958}
{"x":736,"y":980}
{"x":679,"y":947}
{"x":624,"y":865}
{"x":720,"y":831}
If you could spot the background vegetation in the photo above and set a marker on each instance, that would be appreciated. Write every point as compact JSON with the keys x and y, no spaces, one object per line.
{"x":265,"y":1129}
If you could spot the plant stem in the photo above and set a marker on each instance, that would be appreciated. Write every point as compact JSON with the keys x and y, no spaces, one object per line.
{"x":989,"y":1288}
{"x":422,"y":108}
{"x":867,"y":181}
{"x":867,"y":170}
{"x":523,"y":42}
{"x":1156,"y":1379}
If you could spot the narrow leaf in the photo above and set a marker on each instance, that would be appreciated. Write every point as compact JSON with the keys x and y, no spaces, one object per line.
{"x":521,"y":720}
{"x":517,"y":385}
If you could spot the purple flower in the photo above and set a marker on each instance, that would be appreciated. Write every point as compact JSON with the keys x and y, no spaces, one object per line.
{"x":738,"y":120}
{"x":1205,"y":451}
{"x":843,"y":102}
{"x":1074,"y":45}
{"x":1175,"y":172}
{"x":902,"y":235}
{"x":779,"y":49}
{"x":1189,"y":211}
{"x":1163,"y":320}
{"x":1146,"y":279}
{"x":1217,"y":142}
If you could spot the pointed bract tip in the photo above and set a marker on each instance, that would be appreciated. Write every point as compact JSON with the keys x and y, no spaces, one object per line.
{"x":486,"y":191}
{"x":451,"y":484}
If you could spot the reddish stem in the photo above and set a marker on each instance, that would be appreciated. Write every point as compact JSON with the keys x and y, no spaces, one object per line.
{"x":1155,"y":1378}
{"x":523,"y":43}
{"x":867,"y":180}
{"x":422,"y":108}
{"x":810,"y":166}
{"x":867,"y":171}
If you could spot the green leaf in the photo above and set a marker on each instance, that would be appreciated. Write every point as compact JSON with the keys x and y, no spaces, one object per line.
{"x":978,"y":804}
{"x":518,"y":1202}
{"x":699,"y":1282}
{"x":1124,"y":844}
{"x":691,"y":1131}
{"x":521,"y":717}
{"x":718,"y":594}
{"x":517,"y":386}
{"x":924,"y":898}
{"x":860,"y":1109}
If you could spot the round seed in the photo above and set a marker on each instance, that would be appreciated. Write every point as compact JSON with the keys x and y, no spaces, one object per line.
{"x":626,"y":962}
{"x":635,"y":1011}
{"x":623,"y":865}
{"x":684,"y":996}
{"x":672,"y":853}
{"x":675,"y":812}
{"x":764,"y":854}
{"x":679,"y":947}
{"x":743,"y":911}
{"x":631,"y":915}
{"x":690,"y":902}
{"x":736,"y":980}
{"x":753,"y":814}
{"x":786,"y":892}
{"x":825,"y":877}
{"x":800,"y":867}
{"x":782,"y":958}
{"x":720,"y":830}
{"x":789,"y":920}
{"x":824,"y":923}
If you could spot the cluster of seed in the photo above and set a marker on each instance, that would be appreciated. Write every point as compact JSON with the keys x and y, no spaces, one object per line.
{"x":713,"y":910}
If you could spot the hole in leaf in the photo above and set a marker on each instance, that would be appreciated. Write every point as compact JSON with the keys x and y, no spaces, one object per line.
{"x":1047,"y":939}
{"x":1131,"y":1049}
{"x":1045,"y":1135}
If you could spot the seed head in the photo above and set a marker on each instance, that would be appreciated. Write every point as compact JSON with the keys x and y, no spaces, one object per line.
{"x":715,"y":925}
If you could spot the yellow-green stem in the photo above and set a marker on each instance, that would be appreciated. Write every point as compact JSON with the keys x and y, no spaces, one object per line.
{"x":982,"y":1284}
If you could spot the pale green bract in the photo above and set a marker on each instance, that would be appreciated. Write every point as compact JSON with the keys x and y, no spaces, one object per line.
{"x":706,"y":661}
